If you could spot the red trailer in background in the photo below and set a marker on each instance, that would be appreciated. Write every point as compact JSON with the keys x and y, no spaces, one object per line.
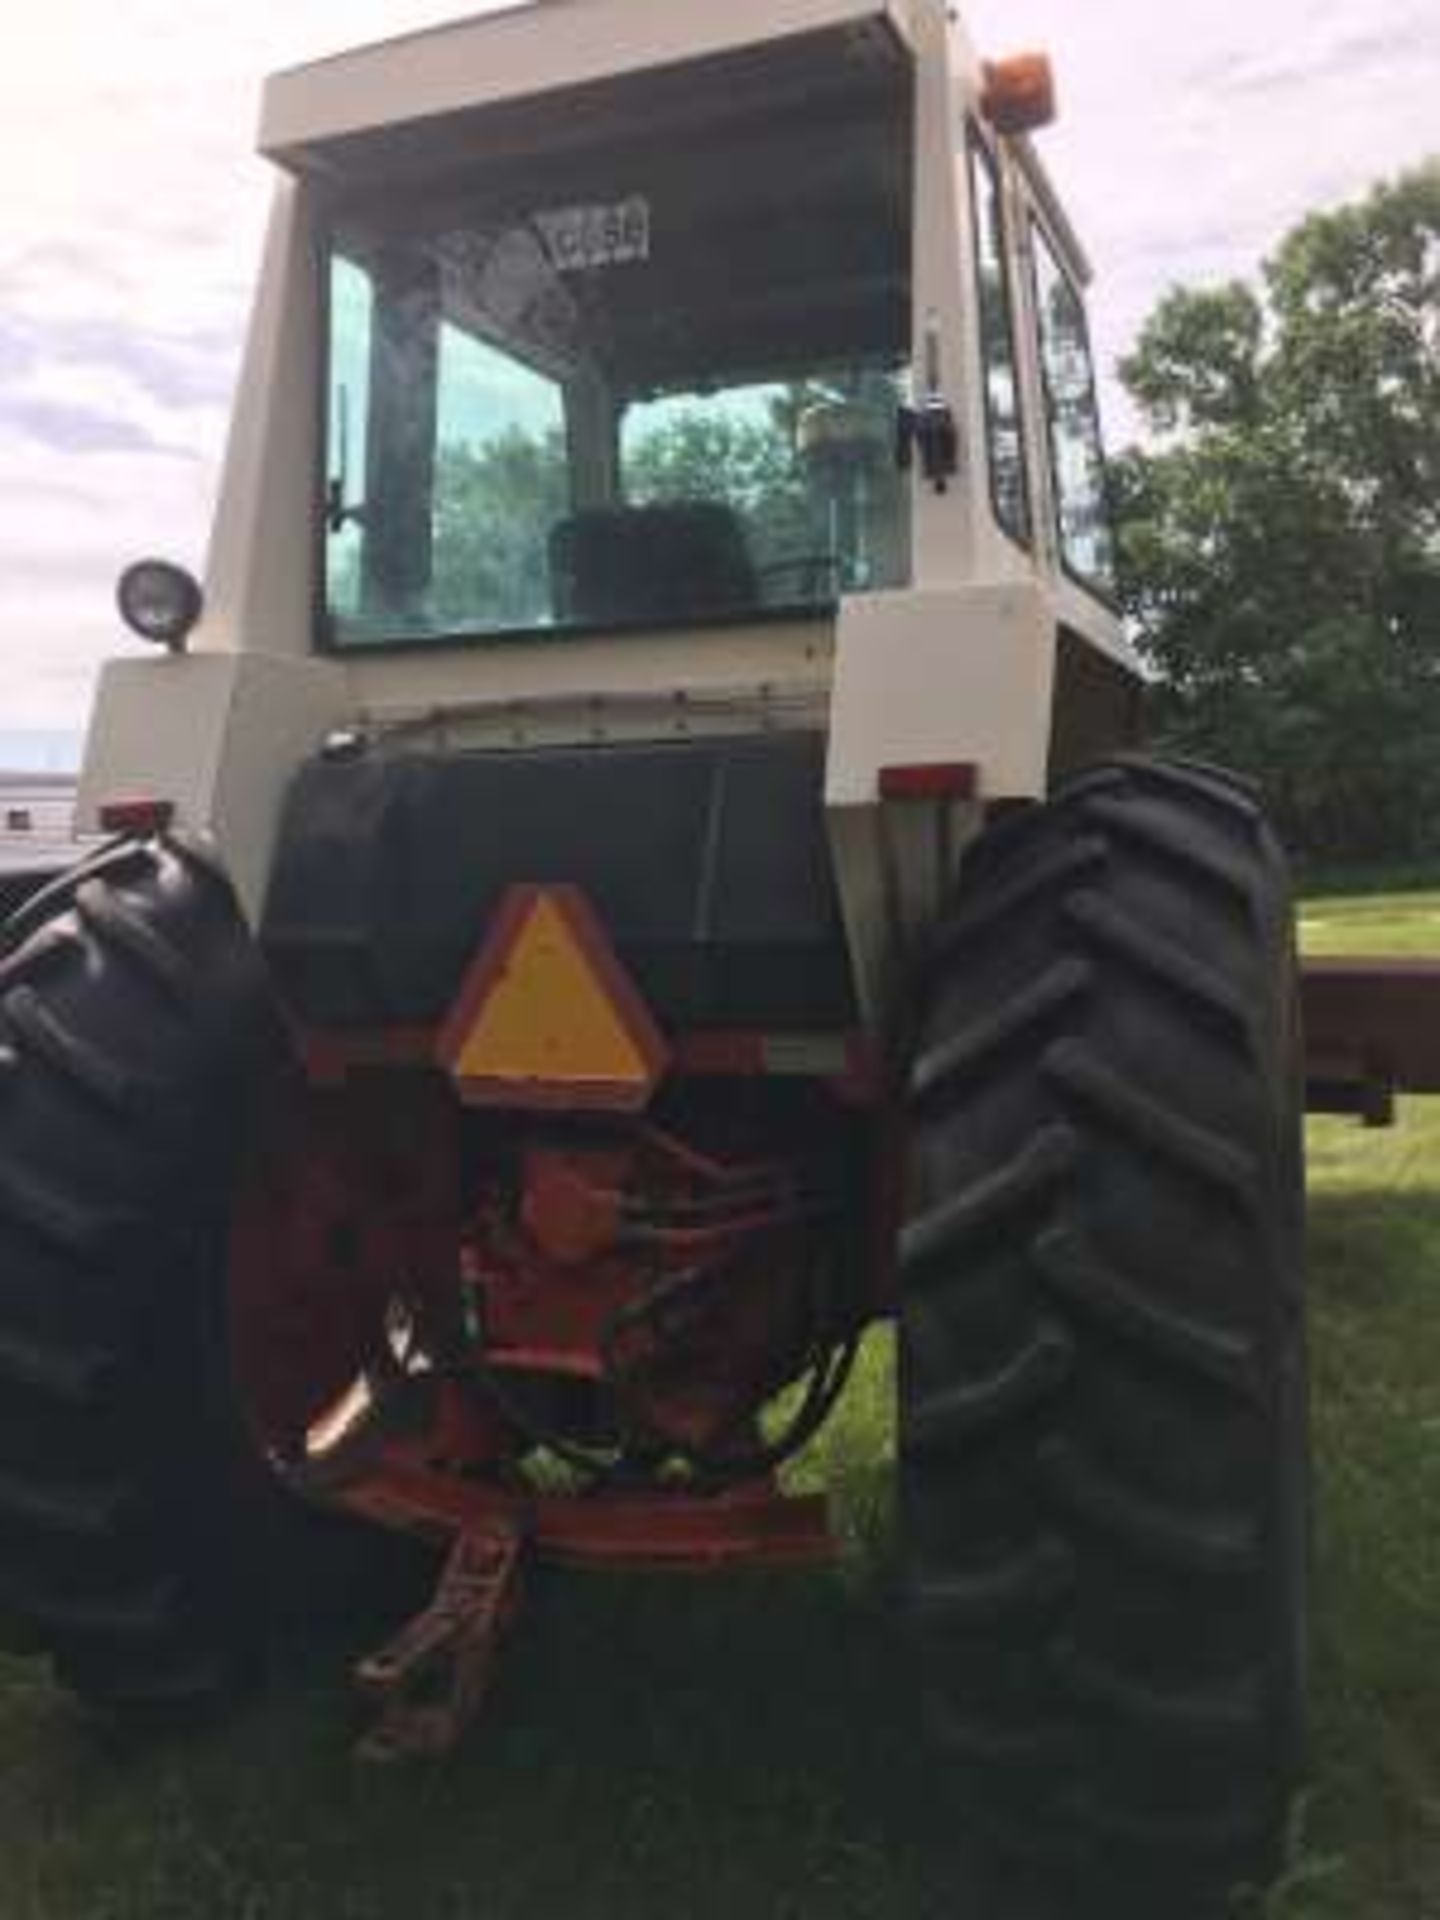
{"x":1372,"y":1030}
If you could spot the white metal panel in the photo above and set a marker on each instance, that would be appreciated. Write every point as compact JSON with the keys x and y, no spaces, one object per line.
{"x":1094,"y":619}
{"x":599,"y":688}
{"x":530,"y":50}
{"x":923,"y":679}
{"x":219,"y":736}
{"x":281,"y":711}
{"x":942,"y":676}
{"x":260,"y":574}
{"x":157,"y":730}
{"x":945,"y":528}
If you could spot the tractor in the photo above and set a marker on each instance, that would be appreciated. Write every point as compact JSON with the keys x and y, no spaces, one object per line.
{"x":637,"y":867}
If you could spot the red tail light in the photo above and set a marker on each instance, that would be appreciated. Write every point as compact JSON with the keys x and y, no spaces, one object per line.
{"x":953,"y":780}
{"x":140,"y":818}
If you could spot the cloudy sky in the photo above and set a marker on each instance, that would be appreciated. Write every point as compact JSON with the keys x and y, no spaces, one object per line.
{"x":131,"y":213}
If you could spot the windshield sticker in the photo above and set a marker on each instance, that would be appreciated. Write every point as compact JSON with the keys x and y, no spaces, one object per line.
{"x":580,"y":239}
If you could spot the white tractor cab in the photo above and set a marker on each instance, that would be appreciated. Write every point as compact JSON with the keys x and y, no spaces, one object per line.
{"x":624,"y":372}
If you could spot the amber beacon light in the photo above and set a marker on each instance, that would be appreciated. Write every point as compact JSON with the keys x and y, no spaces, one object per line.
{"x":1019,"y":93}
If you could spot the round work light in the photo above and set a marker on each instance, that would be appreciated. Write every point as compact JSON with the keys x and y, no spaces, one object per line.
{"x":160,"y":602}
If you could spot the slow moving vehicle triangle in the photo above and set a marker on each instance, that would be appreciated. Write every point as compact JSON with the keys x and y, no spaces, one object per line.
{"x":548,"y":1016}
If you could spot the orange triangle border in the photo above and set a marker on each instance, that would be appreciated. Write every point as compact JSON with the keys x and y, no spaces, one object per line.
{"x":552,"y":1095}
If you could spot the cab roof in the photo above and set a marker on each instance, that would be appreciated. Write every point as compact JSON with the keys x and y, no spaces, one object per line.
{"x":413,"y":102}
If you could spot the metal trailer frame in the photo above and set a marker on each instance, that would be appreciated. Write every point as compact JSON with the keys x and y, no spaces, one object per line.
{"x":1372,"y":1030}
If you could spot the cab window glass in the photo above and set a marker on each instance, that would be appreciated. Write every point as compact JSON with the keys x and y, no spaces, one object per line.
{"x":644,"y":390}
{"x":352,"y":311}
{"x":1076,"y":451}
{"x":1009,"y":477}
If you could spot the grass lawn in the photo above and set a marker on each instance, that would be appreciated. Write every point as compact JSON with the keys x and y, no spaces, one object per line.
{"x":748,"y":1750}
{"x":1398,"y":923}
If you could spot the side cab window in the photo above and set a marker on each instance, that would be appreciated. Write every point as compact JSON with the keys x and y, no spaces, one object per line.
{"x":1077,"y":456}
{"x":1004,"y":420}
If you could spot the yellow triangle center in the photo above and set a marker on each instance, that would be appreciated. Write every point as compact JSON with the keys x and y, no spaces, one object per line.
{"x":549,"y":1015}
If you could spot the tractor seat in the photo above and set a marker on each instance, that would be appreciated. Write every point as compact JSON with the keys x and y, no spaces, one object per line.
{"x":683,"y":561}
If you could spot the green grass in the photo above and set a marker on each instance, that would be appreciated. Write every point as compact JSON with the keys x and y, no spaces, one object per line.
{"x":1382,"y":923}
{"x":743,"y":1747}
{"x":748,"y":1750}
{"x":1372,"y":1828}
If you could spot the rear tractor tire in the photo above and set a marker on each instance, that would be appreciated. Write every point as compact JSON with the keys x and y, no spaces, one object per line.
{"x":1103,"y":1430}
{"x":134,"y":1019}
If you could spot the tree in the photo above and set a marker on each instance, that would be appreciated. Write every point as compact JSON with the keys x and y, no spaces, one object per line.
{"x":748,"y":464}
{"x":497,"y":500}
{"x":495,"y":504}
{"x":1279,"y":533}
{"x":810,"y":527}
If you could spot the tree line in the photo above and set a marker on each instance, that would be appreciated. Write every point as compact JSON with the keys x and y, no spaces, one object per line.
{"x":1279,"y":529}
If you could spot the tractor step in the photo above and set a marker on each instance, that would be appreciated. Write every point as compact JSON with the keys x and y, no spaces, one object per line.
{"x":429,"y":1683}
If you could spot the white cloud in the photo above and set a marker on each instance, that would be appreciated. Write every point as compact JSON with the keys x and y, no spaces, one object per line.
{"x":131,"y":210}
